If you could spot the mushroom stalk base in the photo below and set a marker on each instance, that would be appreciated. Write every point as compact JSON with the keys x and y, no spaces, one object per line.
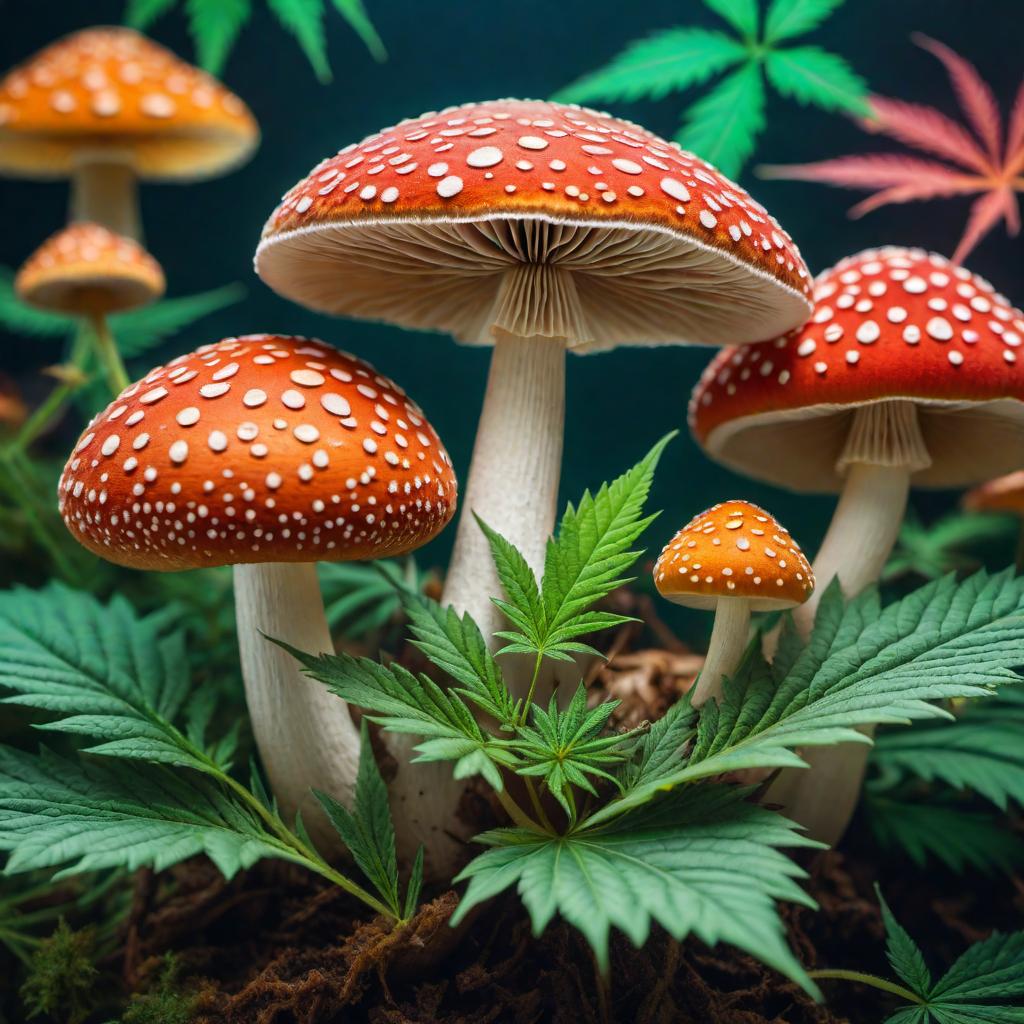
{"x":513,"y":479}
{"x":304,"y":733}
{"x":729,"y":637}
{"x":107,"y":193}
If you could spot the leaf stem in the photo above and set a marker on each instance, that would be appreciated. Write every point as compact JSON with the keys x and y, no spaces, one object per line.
{"x":528,"y":703}
{"x":518,"y":815}
{"x":538,"y":807}
{"x":869,"y":979}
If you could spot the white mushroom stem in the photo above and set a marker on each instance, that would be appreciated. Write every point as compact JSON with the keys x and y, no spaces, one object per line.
{"x":104,"y":190}
{"x":304,"y":733}
{"x":884,"y":448}
{"x":513,"y":487}
{"x":514,"y":474}
{"x":729,"y":638}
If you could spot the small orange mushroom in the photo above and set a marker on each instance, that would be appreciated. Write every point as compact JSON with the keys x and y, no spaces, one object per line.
{"x":734,"y":558}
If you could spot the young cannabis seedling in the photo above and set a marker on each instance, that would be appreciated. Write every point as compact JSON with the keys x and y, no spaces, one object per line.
{"x":723,"y":125}
{"x":638,"y":833}
{"x":152,"y":793}
{"x":985,"y":985}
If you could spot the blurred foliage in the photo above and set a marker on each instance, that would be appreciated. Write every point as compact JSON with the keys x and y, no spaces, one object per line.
{"x":724,"y":124}
{"x":166,"y":1002}
{"x":959,"y":542}
{"x":216,"y":24}
{"x":62,"y":976}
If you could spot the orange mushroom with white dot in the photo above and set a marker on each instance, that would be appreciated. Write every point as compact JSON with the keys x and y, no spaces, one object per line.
{"x":106,"y":107}
{"x":735,"y":559}
{"x":88,"y":271}
{"x":909,"y":371}
{"x":536,"y":228}
{"x":266,"y":453}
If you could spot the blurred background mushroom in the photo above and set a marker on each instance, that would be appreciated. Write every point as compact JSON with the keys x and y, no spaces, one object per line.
{"x":536,"y":228}
{"x":267,"y":453}
{"x":734,"y":559}
{"x":1003,"y":495}
{"x":88,"y":271}
{"x":106,"y":107}
{"x":907,"y":372}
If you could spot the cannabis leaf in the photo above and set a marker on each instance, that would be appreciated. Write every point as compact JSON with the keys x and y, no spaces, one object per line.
{"x":106,"y":672}
{"x":361,"y":598}
{"x":948,"y":545}
{"x":402,"y":702}
{"x":216,"y":24}
{"x":937,"y":827}
{"x":137,"y":331}
{"x":565,"y":747}
{"x":587,"y":559}
{"x":369,"y":833}
{"x":862,"y":665}
{"x":724,"y":125}
{"x":701,"y":862}
{"x":977,"y":158}
{"x":984,"y":985}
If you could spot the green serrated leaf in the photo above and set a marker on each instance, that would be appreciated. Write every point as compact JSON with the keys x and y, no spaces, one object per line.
{"x":741,"y":14}
{"x":415,"y":886}
{"x":809,"y":74}
{"x":861,"y":667}
{"x":789,"y":18}
{"x":722,"y":127}
{"x":105,"y":671}
{"x":669,"y":61}
{"x":354,"y":12}
{"x":903,"y":953}
{"x":140,"y":330}
{"x":141,"y":14}
{"x":702,"y":862}
{"x":304,"y":19}
{"x":367,"y":830}
{"x":215,"y":25}
{"x":93,"y":816}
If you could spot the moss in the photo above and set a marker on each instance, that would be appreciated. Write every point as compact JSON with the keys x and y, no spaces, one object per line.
{"x":61,"y":981}
{"x":166,"y":1002}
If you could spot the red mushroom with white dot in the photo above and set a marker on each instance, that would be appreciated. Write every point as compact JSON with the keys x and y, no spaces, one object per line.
{"x":909,"y":371}
{"x":538,"y":228}
{"x":270,"y":454}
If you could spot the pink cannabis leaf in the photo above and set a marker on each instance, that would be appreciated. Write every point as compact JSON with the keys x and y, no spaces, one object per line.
{"x":977,"y":159}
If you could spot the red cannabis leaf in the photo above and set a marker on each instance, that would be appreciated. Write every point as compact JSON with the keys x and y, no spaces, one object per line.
{"x":977,"y":159}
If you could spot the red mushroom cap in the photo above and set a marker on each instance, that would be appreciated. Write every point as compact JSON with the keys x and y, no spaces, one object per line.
{"x":258,"y":449}
{"x":692,"y":256}
{"x":891,"y":323}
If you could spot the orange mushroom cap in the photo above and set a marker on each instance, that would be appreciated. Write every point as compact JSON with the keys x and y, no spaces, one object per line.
{"x":258,"y":449}
{"x":113,"y":89}
{"x":86,"y":268}
{"x":1004,"y":494}
{"x":417,"y":223}
{"x":734,"y":550}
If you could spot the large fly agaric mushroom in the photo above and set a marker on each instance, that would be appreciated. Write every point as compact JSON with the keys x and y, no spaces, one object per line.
{"x":105,"y":107}
{"x":734,"y":558}
{"x":91,"y":272}
{"x":534,"y":227}
{"x":909,"y":371}
{"x":270,"y":454}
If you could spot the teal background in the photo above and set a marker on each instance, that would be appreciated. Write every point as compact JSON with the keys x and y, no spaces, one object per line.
{"x":453,"y":51}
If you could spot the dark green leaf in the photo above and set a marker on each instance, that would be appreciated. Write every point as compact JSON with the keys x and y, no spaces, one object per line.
{"x":367,"y":830}
{"x":413,"y":889}
{"x":669,"y":61}
{"x":215,"y":25}
{"x":354,"y":12}
{"x":304,"y":19}
{"x":141,"y":14}
{"x":903,"y":953}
